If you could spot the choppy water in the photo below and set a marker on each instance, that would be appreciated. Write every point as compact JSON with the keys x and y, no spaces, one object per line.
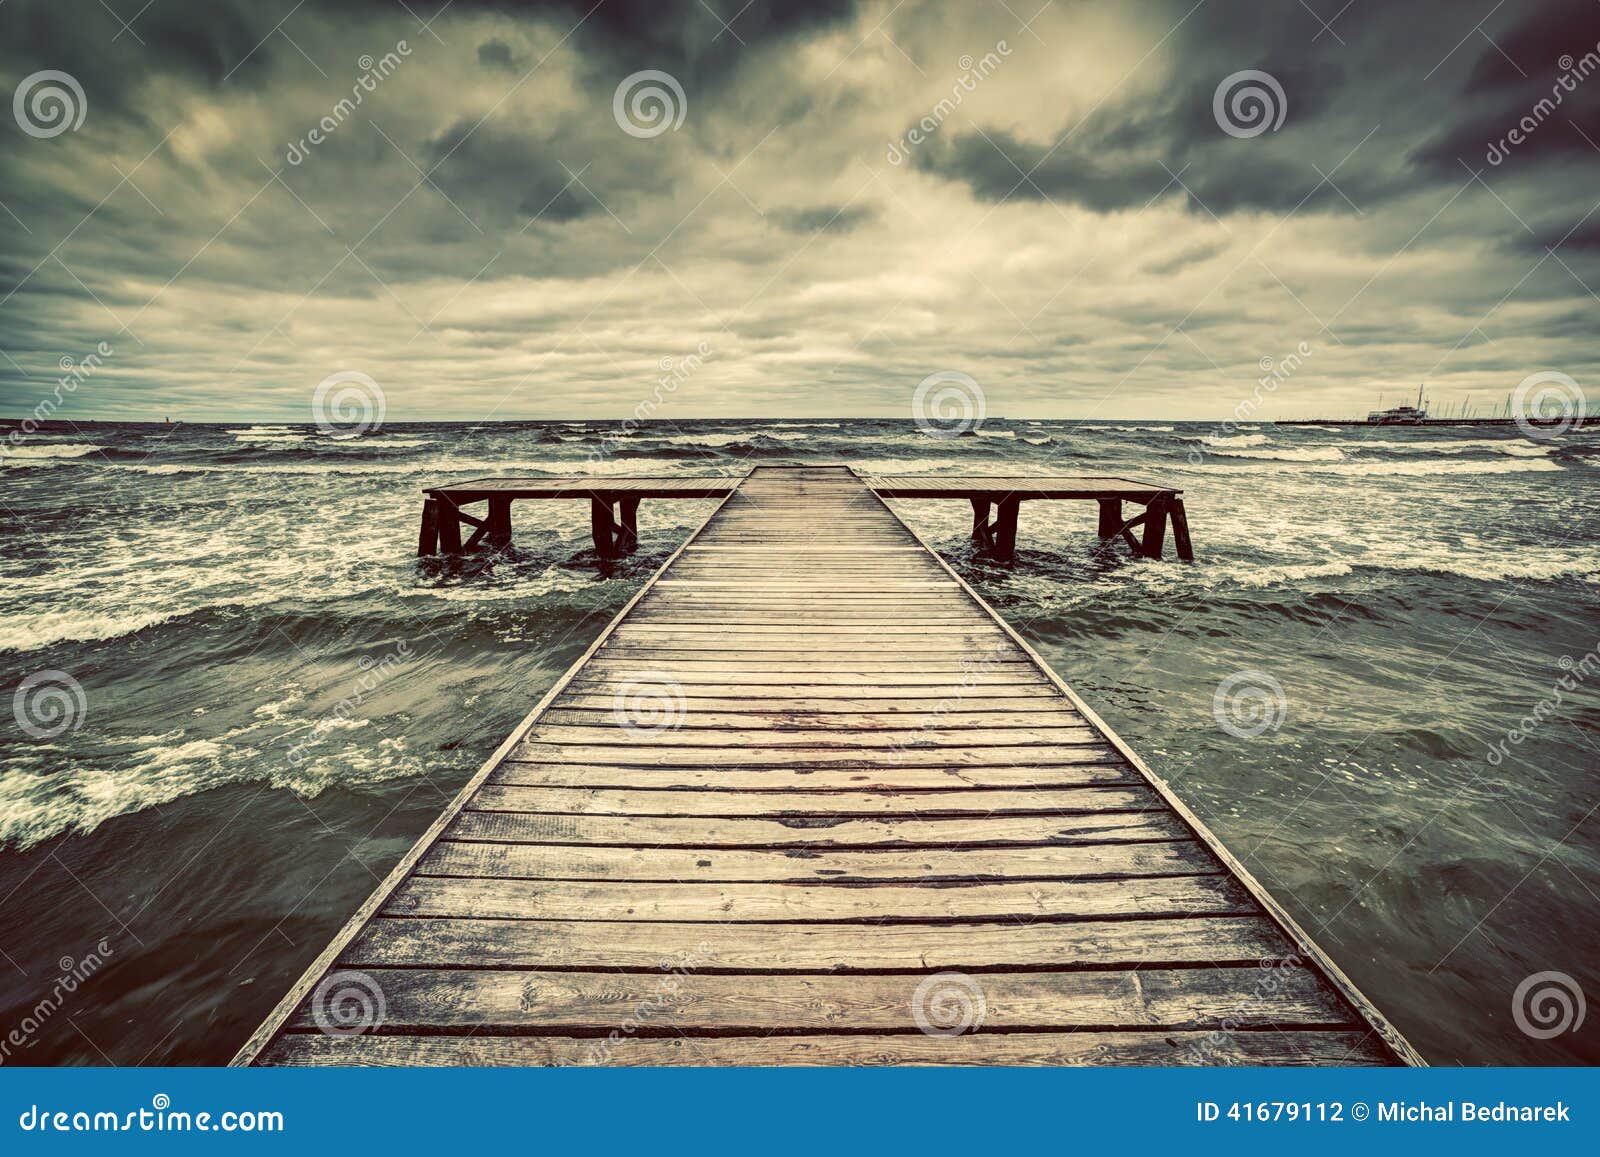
{"x":277,"y":697}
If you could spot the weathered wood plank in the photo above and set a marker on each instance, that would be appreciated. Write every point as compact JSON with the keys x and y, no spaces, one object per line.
{"x":1015,"y":1048}
{"x":927,"y":804}
{"x":684,"y":735}
{"x":1182,"y":999}
{"x":1109,"y":771}
{"x":648,"y":754}
{"x":740,"y":865}
{"x":773,"y":903}
{"x":411,"y":942}
{"x":813,"y":832}
{"x":1265,"y":1047}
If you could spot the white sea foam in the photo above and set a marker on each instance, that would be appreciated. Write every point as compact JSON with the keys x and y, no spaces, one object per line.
{"x":1289,"y":454}
{"x":1511,"y":446}
{"x":28,"y":454}
{"x":1405,"y":468}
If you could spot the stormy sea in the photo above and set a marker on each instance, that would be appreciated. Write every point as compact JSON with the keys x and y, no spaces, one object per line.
{"x":239,"y":697}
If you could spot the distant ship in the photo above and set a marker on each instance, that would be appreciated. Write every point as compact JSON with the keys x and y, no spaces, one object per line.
{"x":1400,"y":415}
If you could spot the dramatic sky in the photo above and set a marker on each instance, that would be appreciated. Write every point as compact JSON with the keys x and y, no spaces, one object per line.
{"x":1080,"y":231}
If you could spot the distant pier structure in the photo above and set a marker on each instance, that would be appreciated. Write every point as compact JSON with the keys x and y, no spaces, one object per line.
{"x":449,"y":529}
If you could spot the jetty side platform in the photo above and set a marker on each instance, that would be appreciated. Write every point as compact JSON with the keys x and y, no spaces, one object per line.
{"x":807,"y":800}
{"x":614,"y":507}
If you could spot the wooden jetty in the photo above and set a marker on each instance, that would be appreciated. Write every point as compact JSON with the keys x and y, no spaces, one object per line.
{"x":808,"y":800}
{"x":614,"y":507}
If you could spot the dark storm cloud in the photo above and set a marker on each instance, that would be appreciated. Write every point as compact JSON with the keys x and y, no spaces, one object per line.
{"x":1533,"y":96}
{"x":1337,"y":88}
{"x":822,"y":218}
{"x":496,"y":54}
{"x":485,"y":238}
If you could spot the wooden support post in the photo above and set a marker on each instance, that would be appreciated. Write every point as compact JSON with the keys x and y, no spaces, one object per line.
{"x":498,"y":526}
{"x":1005,"y":529}
{"x":449,"y":521}
{"x":1155,"y":527}
{"x":1180,"y":530}
{"x":628,"y":525}
{"x":602,"y":528}
{"x":428,"y":539}
{"x":1110,"y":517}
{"x":980,"y":522}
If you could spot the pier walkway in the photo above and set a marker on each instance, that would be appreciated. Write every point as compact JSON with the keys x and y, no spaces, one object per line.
{"x":809,"y":800}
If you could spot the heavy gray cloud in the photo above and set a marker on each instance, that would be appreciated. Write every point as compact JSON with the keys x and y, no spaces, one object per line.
{"x":850,"y":203}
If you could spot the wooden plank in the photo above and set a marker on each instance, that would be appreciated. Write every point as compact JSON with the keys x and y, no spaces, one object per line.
{"x":820,"y":832}
{"x":795,"y":903}
{"x":971,"y":801}
{"x":1179,"y":999}
{"x":646,"y":754}
{"x":411,"y":942}
{"x":942,"y":780}
{"x":818,"y":696}
{"x":735,"y":865}
{"x":696,"y":716}
{"x":904,"y":704}
{"x":686,"y":736}
{"x":1265,"y":1047}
